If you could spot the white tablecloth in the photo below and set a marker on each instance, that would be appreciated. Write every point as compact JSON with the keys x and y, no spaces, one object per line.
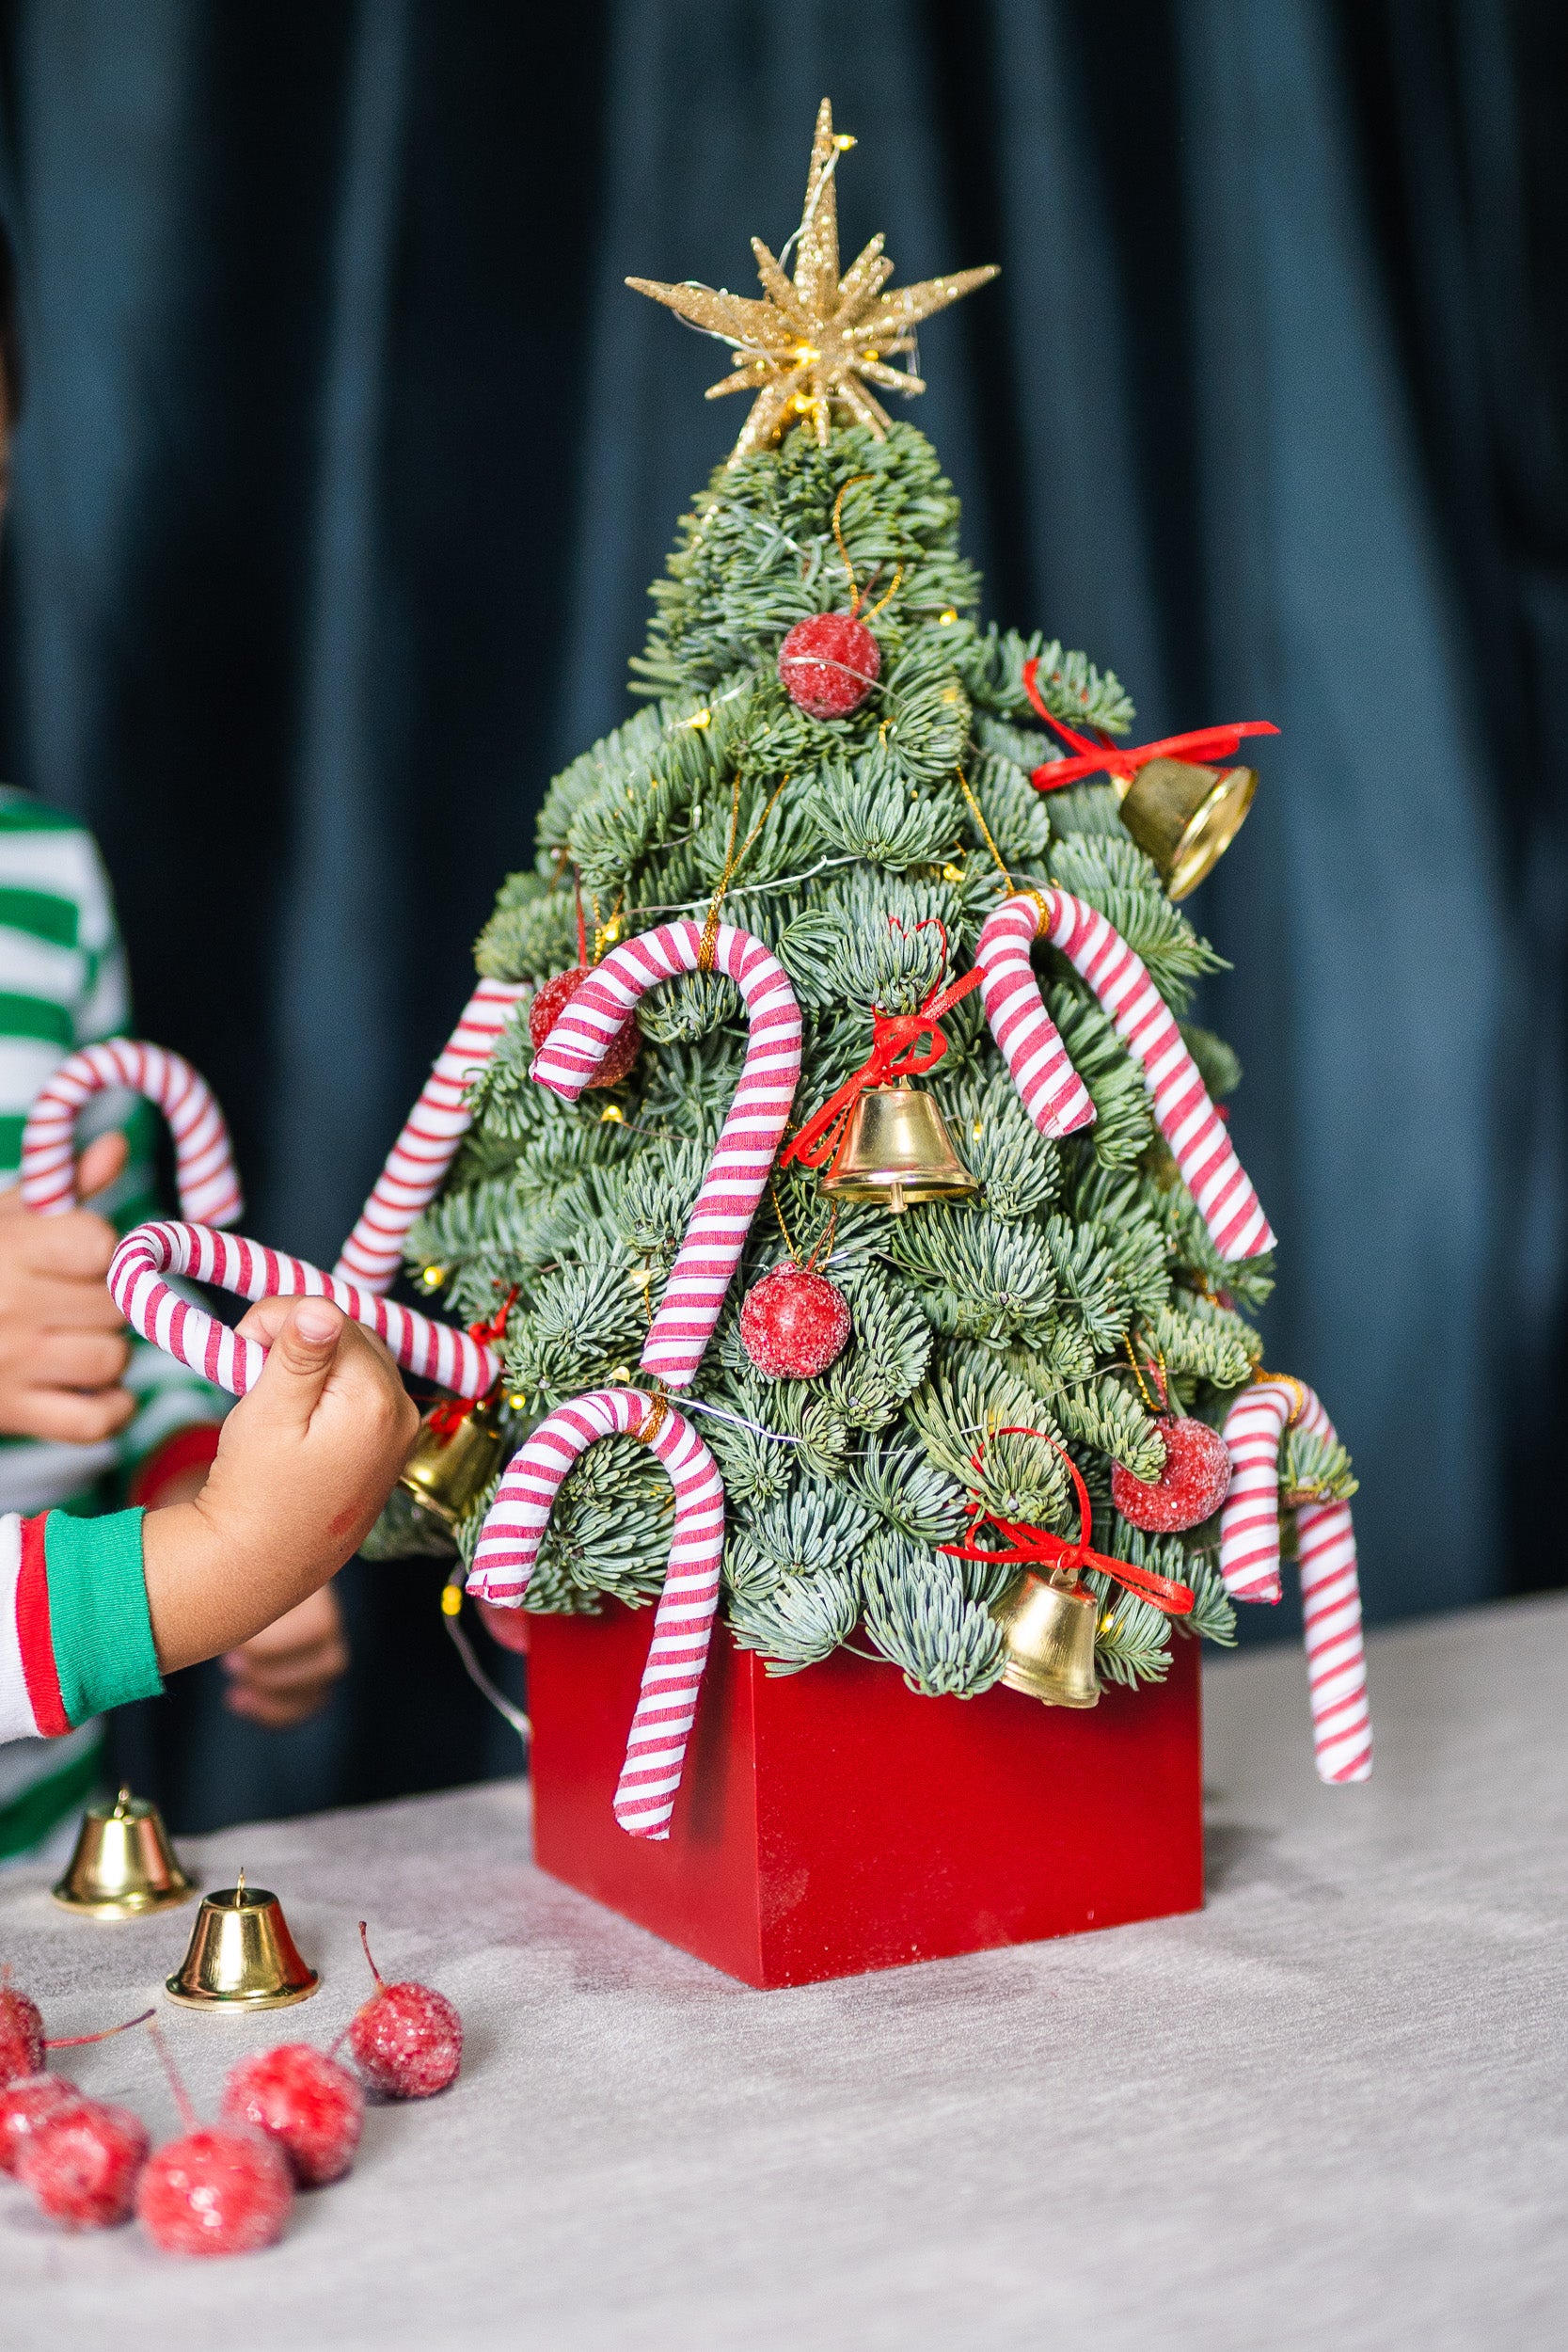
{"x":1329,"y":2110}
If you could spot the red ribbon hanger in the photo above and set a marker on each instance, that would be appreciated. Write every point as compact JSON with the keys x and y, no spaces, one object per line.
{"x":1038,"y":1546}
{"x":903,"y":1044}
{"x":452,"y":1411}
{"x":1124,"y":759}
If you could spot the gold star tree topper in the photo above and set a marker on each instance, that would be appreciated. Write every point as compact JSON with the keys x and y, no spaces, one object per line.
{"x":822,"y":340}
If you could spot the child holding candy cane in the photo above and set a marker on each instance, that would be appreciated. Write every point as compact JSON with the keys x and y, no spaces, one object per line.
{"x":94,"y":1611}
{"x":79,"y":1402}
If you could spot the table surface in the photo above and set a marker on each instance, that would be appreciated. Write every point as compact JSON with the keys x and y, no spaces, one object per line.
{"x":1329,"y":2107}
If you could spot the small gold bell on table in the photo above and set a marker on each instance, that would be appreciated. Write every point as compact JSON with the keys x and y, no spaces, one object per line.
{"x":242,"y":1955}
{"x":1050,"y":1622}
{"x":123,"y":1865}
{"x":453,"y":1461}
{"x":1184,"y":816}
{"x":895,"y":1148}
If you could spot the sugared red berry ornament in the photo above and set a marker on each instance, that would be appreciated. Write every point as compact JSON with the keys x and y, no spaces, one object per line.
{"x":304,"y":2101}
{"x":407,"y":2040}
{"x":25,"y":2104}
{"x":82,"y":2164}
{"x":22,"y":2042}
{"x":828,"y":664}
{"x":218,"y":2190}
{"x":550,"y":1002}
{"x":794,"y":1323}
{"x":1190,"y":1487}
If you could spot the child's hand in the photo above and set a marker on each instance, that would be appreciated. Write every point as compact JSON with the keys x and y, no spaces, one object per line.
{"x":283,"y":1673}
{"x":303,"y":1465}
{"x":63,"y":1349}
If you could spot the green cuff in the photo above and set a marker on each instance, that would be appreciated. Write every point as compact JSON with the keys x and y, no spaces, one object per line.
{"x":98,"y":1614}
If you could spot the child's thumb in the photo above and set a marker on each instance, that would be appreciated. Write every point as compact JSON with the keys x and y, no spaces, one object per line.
{"x":300,"y":1358}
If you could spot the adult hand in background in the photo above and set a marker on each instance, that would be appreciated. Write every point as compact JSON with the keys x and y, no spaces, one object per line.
{"x":63,"y":1348}
{"x":286,"y":1672}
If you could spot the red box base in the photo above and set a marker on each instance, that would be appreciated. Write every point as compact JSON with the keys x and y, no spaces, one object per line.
{"x":831,"y":1822}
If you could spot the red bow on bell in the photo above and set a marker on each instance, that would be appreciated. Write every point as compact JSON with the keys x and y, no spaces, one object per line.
{"x":1038,"y":1546}
{"x":1124,"y":759}
{"x":902,"y":1045}
{"x":452,"y":1411}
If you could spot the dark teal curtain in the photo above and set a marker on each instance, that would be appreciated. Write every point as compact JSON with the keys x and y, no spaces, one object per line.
{"x":348,"y":459}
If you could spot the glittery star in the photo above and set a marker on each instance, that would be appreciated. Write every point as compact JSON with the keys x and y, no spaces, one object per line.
{"x":817,"y":342}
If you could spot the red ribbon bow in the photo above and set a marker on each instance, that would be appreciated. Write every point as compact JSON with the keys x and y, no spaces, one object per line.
{"x":452,"y":1411}
{"x":1037,"y":1547}
{"x":1124,"y":759}
{"x":902,"y":1045}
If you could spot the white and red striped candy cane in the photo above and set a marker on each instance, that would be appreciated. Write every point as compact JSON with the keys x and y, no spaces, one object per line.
{"x":743,"y":1156}
{"x":417,"y":1162}
{"x":1186,"y":1118}
{"x":203,"y":1156}
{"x":434,"y":1351}
{"x":1326,"y":1546}
{"x":1051,"y":1090}
{"x":682,"y":1622}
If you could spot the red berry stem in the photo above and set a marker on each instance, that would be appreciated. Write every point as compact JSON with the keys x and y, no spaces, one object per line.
{"x":365,"y":1941}
{"x":182,"y":2096}
{"x":80,"y":2040}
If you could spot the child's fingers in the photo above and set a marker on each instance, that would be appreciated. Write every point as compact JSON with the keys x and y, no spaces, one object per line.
{"x":77,"y":1359}
{"x":101,"y":1163}
{"x":300,"y":1358}
{"x":63,"y":1418}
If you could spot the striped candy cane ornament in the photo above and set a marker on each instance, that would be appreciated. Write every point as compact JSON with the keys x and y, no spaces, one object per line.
{"x":1326,"y":1546}
{"x":1030,"y":1042}
{"x":417,"y":1162}
{"x":682,"y":1622}
{"x":752,"y":1133}
{"x":434,"y":1351}
{"x":203,"y":1156}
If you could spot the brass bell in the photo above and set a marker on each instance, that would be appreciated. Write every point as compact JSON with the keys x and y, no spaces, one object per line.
{"x":1184,"y":816}
{"x":1050,"y":1623}
{"x":242,"y":1955}
{"x":451,"y":1466}
{"x":123,"y":1864}
{"x":895,"y":1148}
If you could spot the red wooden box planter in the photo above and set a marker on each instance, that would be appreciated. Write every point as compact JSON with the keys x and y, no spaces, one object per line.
{"x":833,"y":1822}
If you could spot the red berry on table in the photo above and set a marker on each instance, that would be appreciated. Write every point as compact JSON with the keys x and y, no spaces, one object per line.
{"x":22,"y":2042}
{"x":304,"y":2101}
{"x":23,"y":2105}
{"x":407,"y":2040}
{"x":794,"y":1324}
{"x":828,"y":664}
{"x":82,"y":2163}
{"x":550,"y":1001}
{"x":216,"y":2191}
{"x":1190,"y":1488}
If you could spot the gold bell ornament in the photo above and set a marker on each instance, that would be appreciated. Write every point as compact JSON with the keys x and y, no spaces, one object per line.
{"x":123,"y":1865}
{"x":1181,"y":812}
{"x":242,"y":1955}
{"x":892,"y":1143}
{"x":1048,"y":1619}
{"x":896,"y":1149}
{"x":453,"y":1460}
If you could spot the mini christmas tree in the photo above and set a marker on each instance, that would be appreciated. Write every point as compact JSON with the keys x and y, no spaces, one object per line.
{"x":1017,"y":1332}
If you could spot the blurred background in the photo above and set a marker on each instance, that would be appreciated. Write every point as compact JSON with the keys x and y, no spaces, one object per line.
{"x":347,"y":460}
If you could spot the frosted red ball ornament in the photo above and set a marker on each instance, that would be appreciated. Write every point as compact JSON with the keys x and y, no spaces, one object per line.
{"x":304,"y":2101}
{"x":82,"y":2163}
{"x":1190,"y":1488}
{"x":24,"y":2105}
{"x":22,"y":2042}
{"x":407,"y":2040}
{"x":828,"y":664}
{"x":550,"y":1001}
{"x":216,"y":2191}
{"x":794,"y":1324}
